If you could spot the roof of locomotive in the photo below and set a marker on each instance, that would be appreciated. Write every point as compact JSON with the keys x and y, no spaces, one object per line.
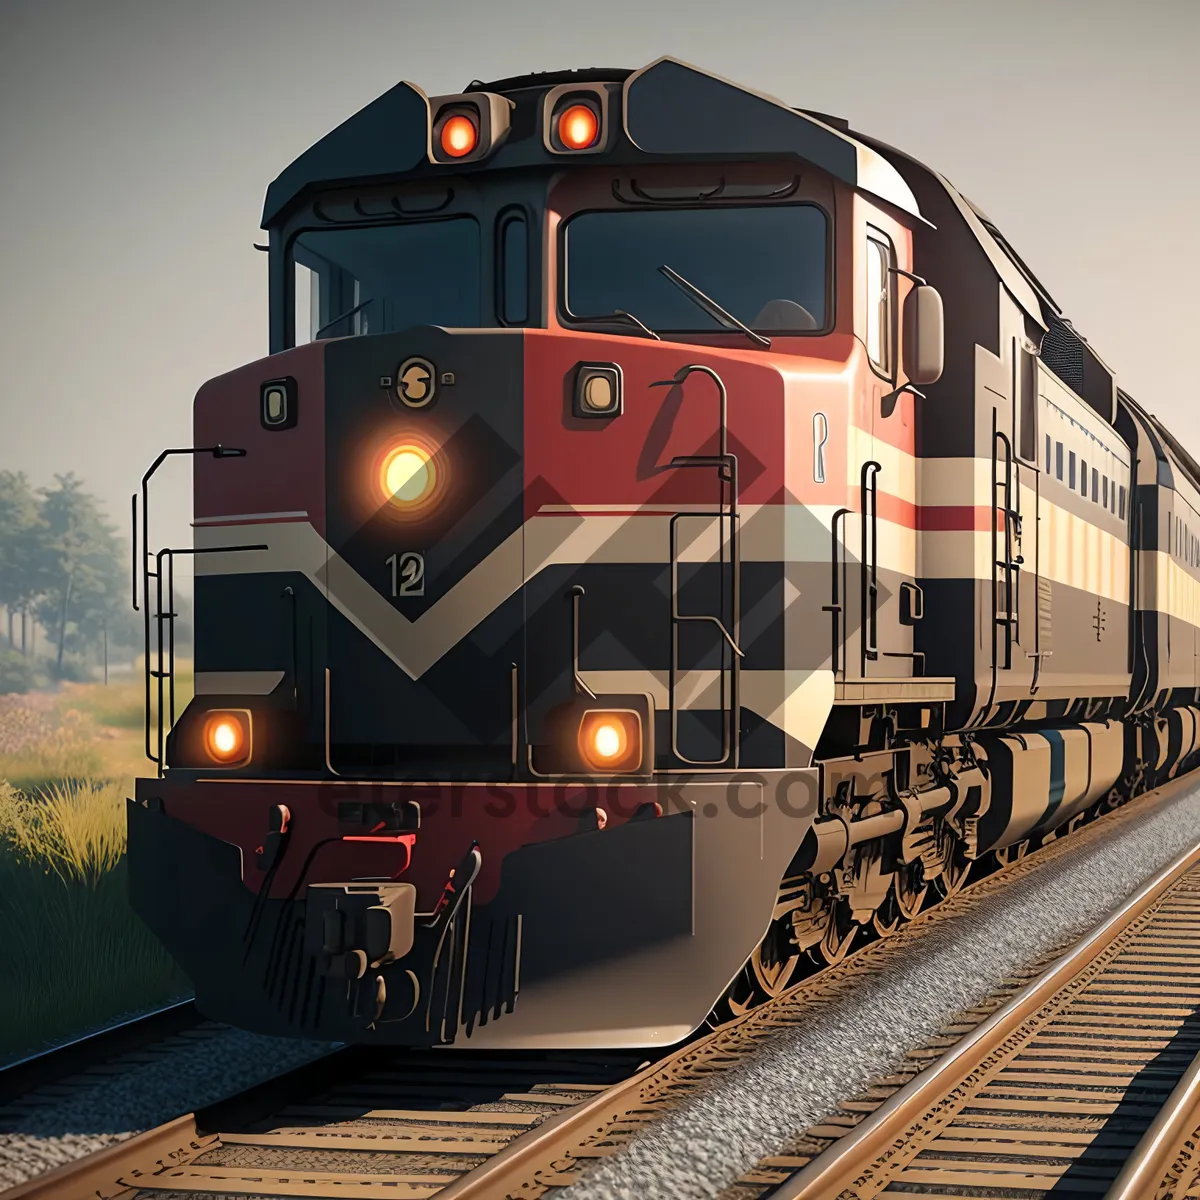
{"x":668,"y":111}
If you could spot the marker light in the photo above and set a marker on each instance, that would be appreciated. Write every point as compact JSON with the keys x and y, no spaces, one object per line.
{"x":459,"y":136}
{"x":611,"y":740}
{"x":227,"y":737}
{"x":599,"y":394}
{"x":597,"y":390}
{"x":578,"y":127}
{"x":408,"y":475}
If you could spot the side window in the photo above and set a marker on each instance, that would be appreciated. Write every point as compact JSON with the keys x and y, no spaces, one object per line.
{"x":880,"y":282}
{"x":306,"y":304}
{"x":1058,"y":459}
{"x":512,"y":275}
{"x":1071,"y":471}
{"x":1026,"y":370}
{"x":1083,"y":477}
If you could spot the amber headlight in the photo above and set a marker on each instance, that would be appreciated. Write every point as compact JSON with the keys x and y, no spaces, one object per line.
{"x":409,"y":474}
{"x":611,"y":739}
{"x":227,"y":736}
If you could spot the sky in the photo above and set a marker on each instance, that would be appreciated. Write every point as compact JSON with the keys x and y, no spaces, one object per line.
{"x":137,"y":139}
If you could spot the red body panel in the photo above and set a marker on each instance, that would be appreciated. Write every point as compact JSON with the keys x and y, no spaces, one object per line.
{"x":284,"y":470}
{"x":500,"y":817}
{"x":583,"y":461}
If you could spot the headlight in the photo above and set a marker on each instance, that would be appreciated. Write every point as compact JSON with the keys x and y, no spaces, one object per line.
{"x":611,"y":739}
{"x":227,"y":737}
{"x":409,"y":475}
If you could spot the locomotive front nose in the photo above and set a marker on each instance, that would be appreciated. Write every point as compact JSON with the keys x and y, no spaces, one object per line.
{"x":423,"y":514}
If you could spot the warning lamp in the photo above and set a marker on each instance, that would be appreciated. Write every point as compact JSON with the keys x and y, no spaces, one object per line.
{"x":611,"y":739}
{"x":227,"y":737}
{"x":467,"y":127}
{"x":578,"y":126}
{"x":458,"y":136}
{"x":575,"y":119}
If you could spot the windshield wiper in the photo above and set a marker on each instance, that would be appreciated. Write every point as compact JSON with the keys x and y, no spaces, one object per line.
{"x":621,"y":315}
{"x":710,"y":306}
{"x":348,"y":313}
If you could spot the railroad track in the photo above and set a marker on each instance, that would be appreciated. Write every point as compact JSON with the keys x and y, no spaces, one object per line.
{"x":1088,"y":1072}
{"x":454,"y":1124}
{"x":97,"y":1053}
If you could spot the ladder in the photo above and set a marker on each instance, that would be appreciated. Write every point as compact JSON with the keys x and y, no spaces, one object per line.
{"x":727,"y":620}
{"x":1006,"y":563}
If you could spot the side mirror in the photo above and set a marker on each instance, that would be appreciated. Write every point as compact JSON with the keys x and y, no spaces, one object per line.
{"x":924,"y":335}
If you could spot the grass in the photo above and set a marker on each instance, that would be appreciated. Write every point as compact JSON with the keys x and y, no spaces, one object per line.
{"x":80,"y":731}
{"x":75,"y":956}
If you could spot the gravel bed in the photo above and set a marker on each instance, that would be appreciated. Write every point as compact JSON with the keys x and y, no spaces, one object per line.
{"x":61,"y":1129}
{"x":798,"y":1077}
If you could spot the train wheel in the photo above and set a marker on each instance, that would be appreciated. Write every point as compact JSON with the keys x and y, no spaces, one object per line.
{"x":839,"y":935}
{"x":905,"y":899}
{"x":953,"y":877}
{"x":773,"y":973}
{"x":887,"y":918}
{"x":1005,"y":856}
{"x":910,"y":889}
{"x":768,"y":973}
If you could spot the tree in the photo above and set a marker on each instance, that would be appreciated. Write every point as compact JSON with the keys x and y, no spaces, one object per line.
{"x":21,"y":534}
{"x":81,"y":584}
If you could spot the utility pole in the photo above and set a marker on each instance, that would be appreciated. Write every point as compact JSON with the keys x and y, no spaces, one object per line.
{"x":106,"y":654}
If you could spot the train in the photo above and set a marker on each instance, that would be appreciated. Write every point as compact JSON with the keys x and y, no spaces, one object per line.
{"x":674,"y":537}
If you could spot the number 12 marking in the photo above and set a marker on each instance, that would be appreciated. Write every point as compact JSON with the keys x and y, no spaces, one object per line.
{"x":408,"y":573}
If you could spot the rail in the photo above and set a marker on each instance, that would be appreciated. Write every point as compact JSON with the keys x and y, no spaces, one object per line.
{"x":68,"y":1058}
{"x":1016,"y":1102}
{"x":1165,"y":1162}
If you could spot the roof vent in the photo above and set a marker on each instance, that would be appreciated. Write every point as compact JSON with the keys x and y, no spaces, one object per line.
{"x":546,"y":79}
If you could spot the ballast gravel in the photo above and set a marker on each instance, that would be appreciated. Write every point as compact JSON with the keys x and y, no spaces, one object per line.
{"x":61,"y":1128}
{"x":798,"y":1077}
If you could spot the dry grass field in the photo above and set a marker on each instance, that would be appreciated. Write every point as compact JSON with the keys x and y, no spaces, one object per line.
{"x":77,"y":957}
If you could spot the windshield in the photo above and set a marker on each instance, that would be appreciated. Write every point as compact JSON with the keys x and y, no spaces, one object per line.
{"x":385,"y":278}
{"x":765,"y":264}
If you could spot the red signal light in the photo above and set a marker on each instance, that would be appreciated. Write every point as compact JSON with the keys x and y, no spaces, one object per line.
{"x":578,"y":127}
{"x":459,"y":136}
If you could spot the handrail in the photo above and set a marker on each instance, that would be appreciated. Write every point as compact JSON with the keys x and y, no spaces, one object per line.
{"x":217,"y":451}
{"x":836,"y":607}
{"x":727,"y":474}
{"x":167,"y":617}
{"x":869,"y":566}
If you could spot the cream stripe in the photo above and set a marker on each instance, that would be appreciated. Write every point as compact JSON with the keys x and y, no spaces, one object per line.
{"x":797,"y":702}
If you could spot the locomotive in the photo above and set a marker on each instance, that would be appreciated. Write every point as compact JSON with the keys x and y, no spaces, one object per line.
{"x":672,"y":537}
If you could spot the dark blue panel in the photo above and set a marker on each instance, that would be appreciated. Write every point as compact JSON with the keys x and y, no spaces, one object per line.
{"x":387,"y":137}
{"x":671,"y":108}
